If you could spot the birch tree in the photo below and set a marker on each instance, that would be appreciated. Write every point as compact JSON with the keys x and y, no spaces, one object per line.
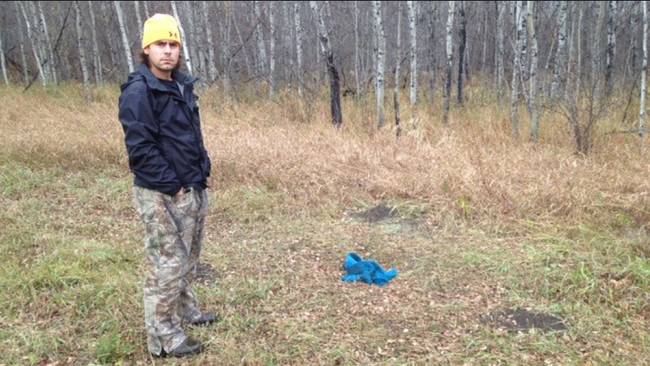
{"x":514,"y":96}
{"x":186,"y":53}
{"x":432,"y":49}
{"x":191,"y":40}
{"x":500,"y":52}
{"x":212,"y":67}
{"x":51,"y":64}
{"x":21,"y":44}
{"x":259,"y":37}
{"x":97,"y":60}
{"x":611,"y":45}
{"x":644,"y":72}
{"x":596,"y":47}
{"x":462,"y":43}
{"x":379,"y":57}
{"x":298,"y":29}
{"x":398,"y":57}
{"x":138,"y":18}
{"x":332,"y":72}
{"x":450,"y":45}
{"x":271,"y":50}
{"x":125,"y":37}
{"x":356,"y":49}
{"x":82,"y":53}
{"x":39,"y":40}
{"x":2,"y":62}
{"x":560,"y":55}
{"x":413,"y":53}
{"x":37,"y":58}
{"x":532,"y":36}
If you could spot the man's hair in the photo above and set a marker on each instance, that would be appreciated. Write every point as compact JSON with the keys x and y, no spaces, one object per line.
{"x":144,"y":59}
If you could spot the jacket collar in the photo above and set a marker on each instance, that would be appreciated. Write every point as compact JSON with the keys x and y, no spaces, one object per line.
{"x":154,"y":83}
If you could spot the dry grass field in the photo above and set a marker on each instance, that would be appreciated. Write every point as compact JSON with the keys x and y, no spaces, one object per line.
{"x":481,"y":226}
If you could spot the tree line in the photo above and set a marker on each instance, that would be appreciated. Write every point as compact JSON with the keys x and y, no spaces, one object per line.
{"x":566,"y":56}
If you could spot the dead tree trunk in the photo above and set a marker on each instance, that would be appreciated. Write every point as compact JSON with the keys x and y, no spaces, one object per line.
{"x":332,"y":72}
{"x":462,"y":43}
{"x":398,"y":56}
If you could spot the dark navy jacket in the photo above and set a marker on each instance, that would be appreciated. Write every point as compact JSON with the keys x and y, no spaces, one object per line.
{"x":162,"y":132}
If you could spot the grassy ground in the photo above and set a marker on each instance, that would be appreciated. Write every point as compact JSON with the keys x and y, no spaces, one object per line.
{"x":482,"y":223}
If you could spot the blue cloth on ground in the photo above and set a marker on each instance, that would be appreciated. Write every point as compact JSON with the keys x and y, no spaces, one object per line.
{"x":367,"y":271}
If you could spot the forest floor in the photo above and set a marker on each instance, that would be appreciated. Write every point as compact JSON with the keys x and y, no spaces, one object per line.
{"x":508,"y":252}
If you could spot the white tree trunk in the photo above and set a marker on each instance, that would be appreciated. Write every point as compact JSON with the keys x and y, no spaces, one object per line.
{"x":146,"y":10}
{"x":644,"y":71}
{"x":125,"y":37}
{"x":356,"y":49}
{"x":97,"y":60}
{"x":500,"y":51}
{"x":514,"y":96}
{"x":298,"y":30}
{"x":41,"y":45}
{"x":450,"y":54}
{"x":412,"y":5}
{"x":2,"y":62}
{"x":532,"y":40}
{"x":186,"y":53}
{"x":138,"y":18}
{"x":611,"y":46}
{"x":560,"y":55}
{"x":259,"y":37}
{"x":51,"y":63}
{"x":271,"y":50}
{"x":380,"y":55}
{"x":82,"y":53}
{"x":212,"y":66}
{"x":31,"y":37}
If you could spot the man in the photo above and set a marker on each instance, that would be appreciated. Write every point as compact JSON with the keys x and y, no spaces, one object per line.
{"x":160,"y":117}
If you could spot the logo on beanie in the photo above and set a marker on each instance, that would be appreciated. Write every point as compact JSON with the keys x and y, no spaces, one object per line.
{"x":173,"y":35}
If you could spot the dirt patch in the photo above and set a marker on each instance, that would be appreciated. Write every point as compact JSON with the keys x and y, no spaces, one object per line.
{"x":205,"y":274}
{"x":377,"y":213}
{"x":522,"y":320}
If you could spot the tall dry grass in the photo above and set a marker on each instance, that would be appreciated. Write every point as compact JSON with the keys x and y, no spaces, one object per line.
{"x":473,"y":168}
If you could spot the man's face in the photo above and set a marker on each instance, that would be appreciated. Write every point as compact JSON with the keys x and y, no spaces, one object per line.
{"x":163,"y":55}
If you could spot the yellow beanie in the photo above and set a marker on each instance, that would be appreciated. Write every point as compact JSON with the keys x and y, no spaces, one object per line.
{"x":160,"y":27}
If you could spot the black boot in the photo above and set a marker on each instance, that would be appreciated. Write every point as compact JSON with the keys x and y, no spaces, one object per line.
{"x":187,"y":348}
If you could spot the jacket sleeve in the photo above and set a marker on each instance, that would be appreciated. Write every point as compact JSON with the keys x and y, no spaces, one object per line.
{"x":140,"y":127}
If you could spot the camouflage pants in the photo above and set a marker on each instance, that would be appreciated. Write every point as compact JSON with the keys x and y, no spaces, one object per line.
{"x":174,"y":235}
